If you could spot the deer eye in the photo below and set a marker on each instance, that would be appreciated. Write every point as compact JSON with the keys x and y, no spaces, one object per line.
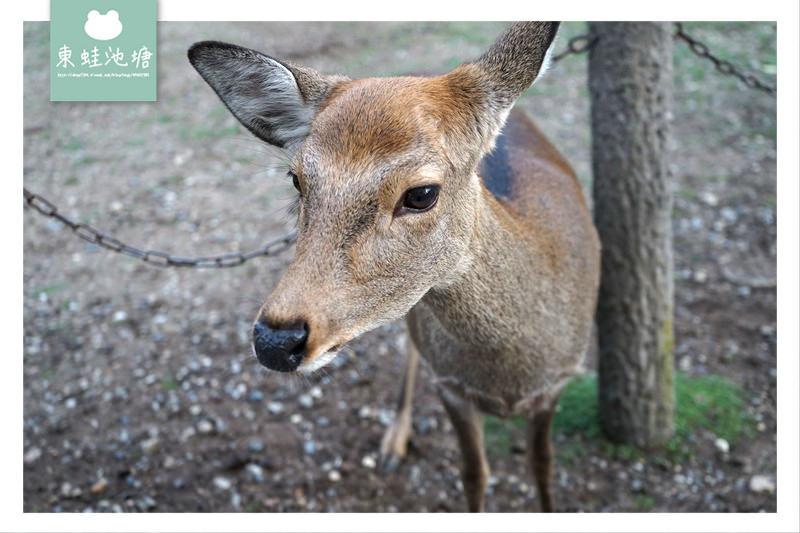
{"x":421,"y":199}
{"x":295,"y":181}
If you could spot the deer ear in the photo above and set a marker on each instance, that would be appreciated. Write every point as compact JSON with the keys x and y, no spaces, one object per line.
{"x":485,"y":89}
{"x":273,"y":99}
{"x":516,"y":59}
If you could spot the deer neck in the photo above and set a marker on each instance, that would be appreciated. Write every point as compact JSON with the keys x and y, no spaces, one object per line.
{"x":477,"y":301}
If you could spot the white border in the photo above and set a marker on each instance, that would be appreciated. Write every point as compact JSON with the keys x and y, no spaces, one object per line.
{"x":787,"y":518}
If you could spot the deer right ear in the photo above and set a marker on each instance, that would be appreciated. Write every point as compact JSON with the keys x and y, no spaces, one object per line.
{"x":276,"y":101}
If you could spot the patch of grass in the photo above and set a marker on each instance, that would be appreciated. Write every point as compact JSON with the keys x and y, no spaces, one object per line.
{"x":85,"y":160}
{"x":710,"y":402}
{"x":48,"y":289}
{"x":73,"y":146}
{"x":498,"y":433}
{"x":644,"y":503}
{"x":193,"y":133}
{"x":72,"y":181}
{"x":169,"y":384}
{"x":137,"y":141}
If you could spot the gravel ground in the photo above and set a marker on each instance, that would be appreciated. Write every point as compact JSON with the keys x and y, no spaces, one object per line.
{"x":140,"y":392}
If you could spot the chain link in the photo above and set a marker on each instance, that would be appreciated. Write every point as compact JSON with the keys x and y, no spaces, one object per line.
{"x":154,"y":257}
{"x":583,"y":43}
{"x":576,"y":45}
{"x":722,"y":66}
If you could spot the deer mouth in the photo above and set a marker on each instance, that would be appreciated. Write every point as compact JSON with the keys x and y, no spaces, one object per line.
{"x":306,"y":367}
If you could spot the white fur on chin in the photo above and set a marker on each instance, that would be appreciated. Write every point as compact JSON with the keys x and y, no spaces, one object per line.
{"x":318,"y":363}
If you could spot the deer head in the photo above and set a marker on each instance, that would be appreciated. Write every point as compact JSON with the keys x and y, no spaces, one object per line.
{"x":389,"y":203}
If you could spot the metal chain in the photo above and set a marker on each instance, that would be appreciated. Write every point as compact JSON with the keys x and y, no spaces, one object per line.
{"x":576,"y":45}
{"x":722,"y":66}
{"x":582,"y":43}
{"x":154,"y":257}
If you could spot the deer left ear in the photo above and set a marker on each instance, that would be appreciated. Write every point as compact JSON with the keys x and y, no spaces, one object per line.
{"x":485,"y":89}
{"x":273,"y":99}
{"x":516,"y":59}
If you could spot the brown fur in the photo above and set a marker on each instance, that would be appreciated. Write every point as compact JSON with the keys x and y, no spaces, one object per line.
{"x":498,"y":279}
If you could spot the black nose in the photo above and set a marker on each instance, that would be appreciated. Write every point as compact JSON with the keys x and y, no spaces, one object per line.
{"x":280,"y":348}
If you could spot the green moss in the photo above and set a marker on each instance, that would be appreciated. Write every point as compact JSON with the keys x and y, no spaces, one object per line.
{"x":499,"y":434}
{"x":644,"y":503}
{"x":713,"y":403}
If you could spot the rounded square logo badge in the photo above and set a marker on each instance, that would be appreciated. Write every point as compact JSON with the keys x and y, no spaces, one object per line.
{"x":103,"y":50}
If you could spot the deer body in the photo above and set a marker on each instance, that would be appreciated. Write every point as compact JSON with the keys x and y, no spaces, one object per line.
{"x":516,"y":324}
{"x":412,"y":202}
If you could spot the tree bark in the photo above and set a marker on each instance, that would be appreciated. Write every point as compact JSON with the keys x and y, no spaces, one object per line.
{"x":630,"y":82}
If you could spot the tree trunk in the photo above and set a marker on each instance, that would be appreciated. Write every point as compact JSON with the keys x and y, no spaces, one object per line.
{"x":630,"y":81}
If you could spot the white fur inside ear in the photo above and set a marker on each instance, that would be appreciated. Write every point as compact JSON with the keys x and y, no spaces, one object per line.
{"x":547,"y":61}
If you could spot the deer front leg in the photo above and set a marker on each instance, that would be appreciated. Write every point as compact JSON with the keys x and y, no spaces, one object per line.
{"x":395,"y":441}
{"x":540,"y":455}
{"x":468,"y":423}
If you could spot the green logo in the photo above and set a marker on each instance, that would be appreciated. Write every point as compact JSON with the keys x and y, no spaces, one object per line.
{"x":103,"y":50}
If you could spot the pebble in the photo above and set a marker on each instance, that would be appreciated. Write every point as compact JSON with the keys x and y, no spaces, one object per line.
{"x":305,"y":400}
{"x":637,"y":486}
{"x":99,"y":486}
{"x":334,"y":476}
{"x":150,"y":445}
{"x":71,"y":403}
{"x":119,"y":316}
{"x":32,"y":455}
{"x":204,"y":426}
{"x":256,"y":396}
{"x":315,"y":392}
{"x":368,"y":461}
{"x":255,"y":446}
{"x":760,"y":483}
{"x":722,"y":445}
{"x":273,"y":407}
{"x":296,"y":418}
{"x":309,"y":447}
{"x":255,"y":472}
{"x":222,"y":483}
{"x":188,"y":433}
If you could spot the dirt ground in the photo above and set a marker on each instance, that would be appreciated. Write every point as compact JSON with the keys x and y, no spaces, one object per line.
{"x":140,"y":391}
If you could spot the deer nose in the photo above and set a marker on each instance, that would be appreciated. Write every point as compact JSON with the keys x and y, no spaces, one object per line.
{"x":280,"y":348}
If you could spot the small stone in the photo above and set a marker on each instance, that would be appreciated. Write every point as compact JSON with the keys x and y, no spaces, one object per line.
{"x":685,"y":363}
{"x":222,"y":483}
{"x":309,"y":447}
{"x":99,"y":486}
{"x":334,"y":476}
{"x":296,"y":418}
{"x":205,"y":426}
{"x":169,"y":462}
{"x":188,"y":433}
{"x":700,"y":276}
{"x":70,"y":403}
{"x":195,"y":410}
{"x":255,"y":446}
{"x":761,"y":483}
{"x":315,"y":392}
{"x":761,"y":427}
{"x":255,"y":472}
{"x":305,"y":400}
{"x":722,"y":445}
{"x":32,"y":455}
{"x":368,"y":461}
{"x":150,"y":445}
{"x":256,"y":396}
{"x":274,"y":407}
{"x":637,"y":486}
{"x":119,"y":316}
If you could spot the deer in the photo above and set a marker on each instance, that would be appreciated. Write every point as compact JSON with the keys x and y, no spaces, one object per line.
{"x":428,"y":197}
